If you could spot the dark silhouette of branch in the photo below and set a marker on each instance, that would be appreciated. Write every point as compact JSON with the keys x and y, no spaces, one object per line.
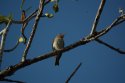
{"x":95,"y":23}
{"x":111,"y":47}
{"x":22,"y":31}
{"x":73,"y":73}
{"x":9,"y":80}
{"x":106,"y":30}
{"x":47,"y":2}
{"x":33,"y":14}
{"x":122,"y":19}
{"x":39,"y":13}
{"x":12,"y":49}
{"x":25,"y":22}
{"x":23,"y":17}
{"x":12,"y":69}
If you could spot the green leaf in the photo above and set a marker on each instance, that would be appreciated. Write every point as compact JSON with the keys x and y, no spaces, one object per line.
{"x":5,"y":19}
{"x":21,"y":40}
{"x":52,"y":0}
{"x":55,"y":7}
{"x":49,"y":15}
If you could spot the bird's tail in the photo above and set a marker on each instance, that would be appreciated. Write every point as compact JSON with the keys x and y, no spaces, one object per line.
{"x":57,"y":59}
{"x":57,"y":62}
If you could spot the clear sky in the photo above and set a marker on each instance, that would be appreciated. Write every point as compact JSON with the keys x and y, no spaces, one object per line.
{"x":75,"y":17}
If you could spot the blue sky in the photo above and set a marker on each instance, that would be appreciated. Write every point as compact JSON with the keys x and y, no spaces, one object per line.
{"x":99,"y":63}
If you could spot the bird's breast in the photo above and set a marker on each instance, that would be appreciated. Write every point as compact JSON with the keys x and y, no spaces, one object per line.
{"x":58,"y":44}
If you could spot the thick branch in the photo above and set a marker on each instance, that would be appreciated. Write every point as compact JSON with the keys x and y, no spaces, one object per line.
{"x":111,"y":47}
{"x":11,"y":70}
{"x":41,"y":5}
{"x":95,"y":23}
{"x":73,"y":73}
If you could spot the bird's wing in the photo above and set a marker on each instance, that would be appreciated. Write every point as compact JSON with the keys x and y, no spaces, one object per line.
{"x":60,"y":43}
{"x":52,"y":45}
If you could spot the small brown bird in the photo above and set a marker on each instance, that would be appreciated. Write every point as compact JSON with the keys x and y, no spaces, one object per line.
{"x":58,"y":44}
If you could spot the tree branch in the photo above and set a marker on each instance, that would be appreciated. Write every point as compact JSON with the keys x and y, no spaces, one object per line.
{"x":116,"y":22}
{"x":4,"y":34}
{"x":22,"y":32}
{"x":95,"y":23}
{"x":9,"y":80}
{"x":39,"y":13}
{"x":27,"y":19}
{"x":122,"y":19}
{"x":111,"y":47}
{"x":73,"y":73}
{"x":1,"y":32}
{"x":12,"y":69}
{"x":30,"y":16}
{"x":10,"y":50}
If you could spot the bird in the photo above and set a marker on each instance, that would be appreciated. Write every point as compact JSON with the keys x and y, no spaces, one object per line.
{"x":58,"y":44}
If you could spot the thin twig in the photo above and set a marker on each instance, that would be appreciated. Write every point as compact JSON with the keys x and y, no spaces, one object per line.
{"x":33,"y":14}
{"x":22,"y":31}
{"x":12,"y":49}
{"x":41,"y":6}
{"x":23,"y":17}
{"x":111,"y":47}
{"x":1,"y":32}
{"x":9,"y":80}
{"x":4,"y":35}
{"x":47,"y":2}
{"x":116,"y":22}
{"x":73,"y":73}
{"x":96,"y":21}
{"x":122,"y":19}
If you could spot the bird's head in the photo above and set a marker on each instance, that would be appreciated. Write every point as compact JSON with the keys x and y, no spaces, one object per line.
{"x":60,"y":35}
